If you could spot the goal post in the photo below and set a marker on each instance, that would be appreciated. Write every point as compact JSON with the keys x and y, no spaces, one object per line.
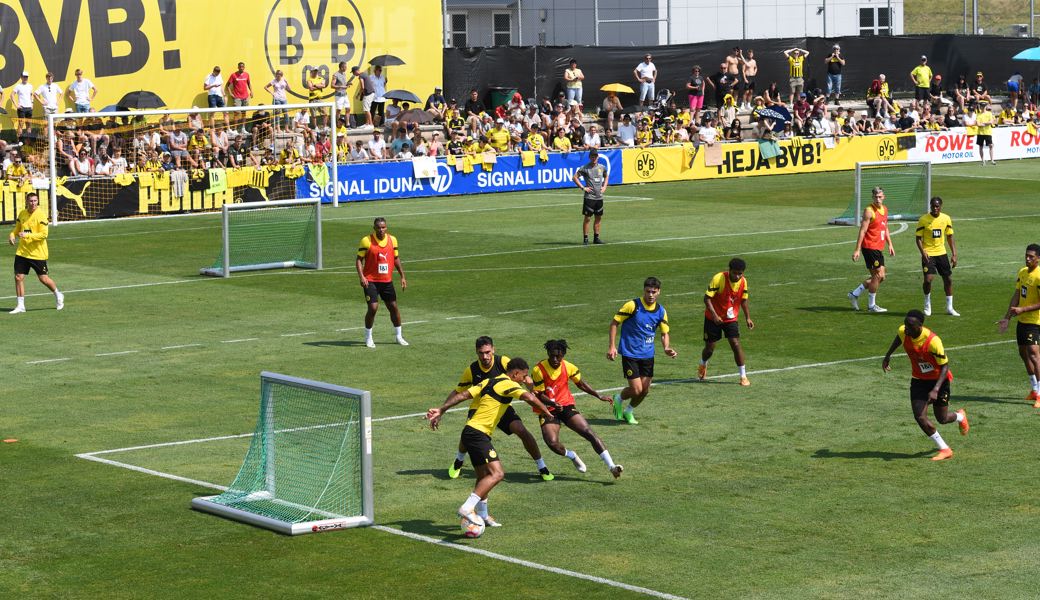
{"x":907,"y":185}
{"x":268,"y":235}
{"x":309,"y":464}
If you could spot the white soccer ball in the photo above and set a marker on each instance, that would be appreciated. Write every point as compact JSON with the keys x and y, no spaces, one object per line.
{"x":470,"y":530}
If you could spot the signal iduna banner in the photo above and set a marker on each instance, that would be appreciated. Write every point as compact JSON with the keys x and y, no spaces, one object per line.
{"x":170,"y":46}
{"x":809,"y":155}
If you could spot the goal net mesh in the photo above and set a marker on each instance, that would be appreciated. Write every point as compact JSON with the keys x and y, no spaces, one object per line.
{"x":906,"y":186}
{"x":305,"y":459}
{"x":269,"y":237}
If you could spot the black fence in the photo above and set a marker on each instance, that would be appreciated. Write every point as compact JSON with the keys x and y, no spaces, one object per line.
{"x":538,"y":71}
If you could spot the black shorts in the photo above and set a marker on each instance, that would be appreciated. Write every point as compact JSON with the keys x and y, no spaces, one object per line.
{"x":749,"y":86}
{"x":634,"y":368}
{"x":478,"y":446}
{"x":592,"y":207}
{"x":1028,"y":334}
{"x":559,"y":416}
{"x":920,"y":388}
{"x":377,"y":108}
{"x":938,"y":264}
{"x":921,"y":93}
{"x":24,"y":113}
{"x":873,"y":259}
{"x":984,"y":140}
{"x":380,"y":289}
{"x":22,"y":265}
{"x":713,"y":332}
{"x":504,"y":423}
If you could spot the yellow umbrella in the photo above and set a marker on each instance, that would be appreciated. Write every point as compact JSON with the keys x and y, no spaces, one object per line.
{"x":617,"y":87}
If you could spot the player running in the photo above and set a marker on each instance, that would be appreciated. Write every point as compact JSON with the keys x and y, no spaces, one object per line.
{"x":930,"y":379}
{"x":551,"y":382}
{"x":488,"y":366}
{"x":933,"y":231}
{"x":1025,"y":304}
{"x":727,"y":293}
{"x":873,"y":235}
{"x":638,"y":320}
{"x":493,"y":397}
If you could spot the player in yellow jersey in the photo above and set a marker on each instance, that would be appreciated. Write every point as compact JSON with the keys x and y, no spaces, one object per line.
{"x":30,"y":233}
{"x":930,"y":379}
{"x":934,"y":230}
{"x":1025,"y":304}
{"x":493,"y":398}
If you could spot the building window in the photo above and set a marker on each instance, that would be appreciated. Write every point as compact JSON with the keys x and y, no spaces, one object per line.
{"x":502,"y":29}
{"x":875,"y":20}
{"x":457,"y":30}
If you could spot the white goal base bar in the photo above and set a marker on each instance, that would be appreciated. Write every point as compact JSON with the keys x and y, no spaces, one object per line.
{"x":332,"y":523}
{"x":218,"y":272}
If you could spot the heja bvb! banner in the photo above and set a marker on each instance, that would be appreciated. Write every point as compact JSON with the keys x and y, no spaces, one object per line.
{"x":170,"y":46}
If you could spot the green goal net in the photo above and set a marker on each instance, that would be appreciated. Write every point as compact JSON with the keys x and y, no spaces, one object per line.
{"x":268,"y":235}
{"x":907,"y":185}
{"x":308,"y":468}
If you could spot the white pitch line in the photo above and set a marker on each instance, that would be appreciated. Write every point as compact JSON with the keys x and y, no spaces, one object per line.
{"x":299,"y":334}
{"x":239,"y":341}
{"x":414,"y":322}
{"x":784,"y":283}
{"x":462,"y":317}
{"x":179,"y":346}
{"x":116,"y":463}
{"x":832,"y":279}
{"x":46,"y":360}
{"x":571,"y":305}
{"x":124,"y":352}
{"x":513,"y":312}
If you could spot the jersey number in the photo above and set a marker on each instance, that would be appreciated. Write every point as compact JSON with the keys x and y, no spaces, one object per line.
{"x":384,"y":268}
{"x":925,"y":367}
{"x":937,"y":233}
{"x":730,"y":313}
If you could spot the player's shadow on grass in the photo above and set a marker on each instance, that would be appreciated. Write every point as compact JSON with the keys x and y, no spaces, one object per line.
{"x":992,"y":400}
{"x":437,"y":473}
{"x":847,"y":309}
{"x":605,"y":422}
{"x":570,"y":242}
{"x":827,"y":453}
{"x":335,"y":343}
{"x":446,"y":532}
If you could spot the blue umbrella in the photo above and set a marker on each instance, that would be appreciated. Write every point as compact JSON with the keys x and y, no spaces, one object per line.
{"x":1032,"y":54}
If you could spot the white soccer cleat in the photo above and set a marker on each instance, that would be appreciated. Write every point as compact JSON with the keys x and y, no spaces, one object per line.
{"x":490,"y":521}
{"x":854,"y":301}
{"x":876,"y":309}
{"x":17,"y":310}
{"x":401,"y":341}
{"x":472,"y":517}
{"x":927,"y":310}
{"x":370,"y":343}
{"x":952,"y":312}
{"x":578,"y":464}
{"x":59,"y":301}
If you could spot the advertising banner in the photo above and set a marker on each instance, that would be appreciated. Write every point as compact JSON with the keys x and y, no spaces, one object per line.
{"x":956,"y":145}
{"x":809,"y":155}
{"x":378,"y":181}
{"x":169,"y":46}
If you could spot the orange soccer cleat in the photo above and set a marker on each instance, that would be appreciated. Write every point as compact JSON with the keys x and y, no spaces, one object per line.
{"x":963,"y":423}
{"x":943,"y":454}
{"x":702,"y":372}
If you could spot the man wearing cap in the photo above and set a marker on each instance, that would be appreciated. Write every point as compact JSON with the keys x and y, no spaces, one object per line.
{"x":22,"y":97}
{"x":835,"y":63}
{"x":922,"y":78}
{"x":499,"y":136}
{"x":595,"y":176}
{"x":646,"y":74}
{"x":936,"y":94}
{"x":436,"y":104}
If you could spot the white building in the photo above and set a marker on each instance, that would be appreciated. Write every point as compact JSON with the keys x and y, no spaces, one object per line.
{"x":659,"y":22}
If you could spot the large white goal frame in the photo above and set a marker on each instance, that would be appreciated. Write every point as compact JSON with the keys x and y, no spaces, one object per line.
{"x":891,"y":163}
{"x":226,"y":269}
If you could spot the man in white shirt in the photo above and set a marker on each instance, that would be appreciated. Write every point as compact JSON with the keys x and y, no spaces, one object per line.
{"x":646,"y":75}
{"x":47,"y":95}
{"x":377,"y":146}
{"x":591,"y":138}
{"x":22,"y":97}
{"x":214,"y":88}
{"x":626,"y":131}
{"x":82,"y":92}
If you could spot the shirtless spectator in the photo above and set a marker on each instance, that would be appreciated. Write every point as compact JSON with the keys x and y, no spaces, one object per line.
{"x":733,"y":69}
{"x":750,"y":71}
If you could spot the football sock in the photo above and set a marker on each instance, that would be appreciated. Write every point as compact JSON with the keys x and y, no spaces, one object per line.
{"x":460,"y":456}
{"x":570,"y":454}
{"x":703,"y":362}
{"x":628,"y":409}
{"x":927,"y":299}
{"x":859,"y":290}
{"x":21,"y":301}
{"x":1033,"y":382}
{"x":960,"y":416}
{"x":870,"y":298}
{"x":938,"y":441}
{"x":743,"y":370}
{"x":470,"y":504}
{"x":541,"y":463}
{"x":397,"y":331}
{"x":605,"y":455}
{"x":482,"y":509}
{"x":949,"y":302}
{"x":368,"y":333}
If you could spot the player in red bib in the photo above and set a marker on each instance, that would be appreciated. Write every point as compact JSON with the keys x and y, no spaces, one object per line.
{"x":552,"y":379}
{"x":930,"y":379}
{"x":377,"y":257}
{"x":873,"y":235}
{"x":727,"y":293}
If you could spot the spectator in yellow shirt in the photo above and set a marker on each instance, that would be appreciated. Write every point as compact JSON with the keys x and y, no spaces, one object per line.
{"x":499,"y":137}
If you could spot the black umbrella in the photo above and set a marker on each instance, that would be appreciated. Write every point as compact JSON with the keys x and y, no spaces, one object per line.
{"x":141,"y":99}
{"x":112,"y":108}
{"x":415,"y":115}
{"x":777,"y":113}
{"x":386,"y":60}
{"x":3,"y":111}
{"x":402,"y":95}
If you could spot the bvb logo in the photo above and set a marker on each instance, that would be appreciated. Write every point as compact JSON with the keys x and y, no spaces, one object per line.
{"x":646,"y":164}
{"x":886,"y":149}
{"x":305,"y":34}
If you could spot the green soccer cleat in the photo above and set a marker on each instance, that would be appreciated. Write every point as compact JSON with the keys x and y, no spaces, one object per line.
{"x":455,"y":469}
{"x":630,"y":418}
{"x":546,"y":475}
{"x":618,"y":408}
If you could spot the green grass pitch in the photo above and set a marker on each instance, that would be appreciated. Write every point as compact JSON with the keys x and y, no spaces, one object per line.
{"x":812,"y":483}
